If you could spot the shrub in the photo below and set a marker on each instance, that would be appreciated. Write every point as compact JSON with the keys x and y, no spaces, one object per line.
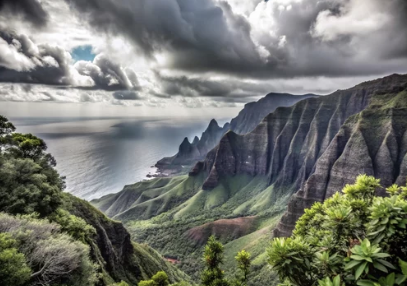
{"x":353,"y":238}
{"x":14,"y":270}
{"x":52,"y":256}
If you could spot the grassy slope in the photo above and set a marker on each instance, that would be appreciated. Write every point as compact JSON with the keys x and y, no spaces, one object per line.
{"x":235,"y":197}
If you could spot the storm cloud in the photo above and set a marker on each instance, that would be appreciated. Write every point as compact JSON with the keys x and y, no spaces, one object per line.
{"x":28,"y":10}
{"x":278,"y":39}
{"x":107,"y":74}
{"x":21,"y":60}
{"x":227,"y":51}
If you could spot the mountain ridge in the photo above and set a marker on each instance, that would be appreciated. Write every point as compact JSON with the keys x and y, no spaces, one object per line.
{"x":247,"y":119}
{"x":292,"y":159}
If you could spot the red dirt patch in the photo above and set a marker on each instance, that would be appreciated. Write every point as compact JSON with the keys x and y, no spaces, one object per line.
{"x":223,"y":229}
{"x":172,"y":260}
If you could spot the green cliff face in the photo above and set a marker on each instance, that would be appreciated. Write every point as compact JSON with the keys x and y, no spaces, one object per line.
{"x":295,"y":156}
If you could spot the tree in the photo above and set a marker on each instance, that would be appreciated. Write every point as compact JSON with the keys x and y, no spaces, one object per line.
{"x":243,"y":264}
{"x":73,"y":225}
{"x":353,"y":238}
{"x":27,"y":187}
{"x":6,"y":127}
{"x":13,"y":267}
{"x":159,"y":279}
{"x":213,"y":275}
{"x":147,"y":283}
{"x":121,"y":283}
{"x":29,"y":182}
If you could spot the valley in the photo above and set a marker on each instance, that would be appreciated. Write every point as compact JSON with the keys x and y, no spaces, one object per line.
{"x":295,"y":156}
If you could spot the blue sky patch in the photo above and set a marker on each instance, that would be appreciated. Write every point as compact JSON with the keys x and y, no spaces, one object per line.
{"x":83,"y":53}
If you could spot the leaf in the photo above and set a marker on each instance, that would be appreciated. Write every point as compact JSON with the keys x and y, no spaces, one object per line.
{"x":400,"y":279}
{"x":384,"y":221}
{"x":390,"y":279}
{"x":379,"y":238}
{"x":365,"y":283}
{"x":358,"y":257}
{"x":352,"y":264}
{"x":337,"y":281}
{"x":403,"y":266}
{"x":359,"y":271}
{"x":381,"y":255}
{"x":380,"y":267}
{"x":386,"y":263}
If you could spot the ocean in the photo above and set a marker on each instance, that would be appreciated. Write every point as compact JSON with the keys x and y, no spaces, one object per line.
{"x":100,"y":155}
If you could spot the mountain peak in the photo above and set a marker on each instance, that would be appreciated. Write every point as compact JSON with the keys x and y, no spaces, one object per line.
{"x":196,"y":140}
{"x":186,"y":141}
{"x":213,"y":123}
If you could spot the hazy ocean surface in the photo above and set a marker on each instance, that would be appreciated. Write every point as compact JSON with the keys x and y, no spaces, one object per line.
{"x":101,"y":155}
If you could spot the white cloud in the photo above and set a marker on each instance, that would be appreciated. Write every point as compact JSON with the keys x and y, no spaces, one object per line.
{"x":11,"y":58}
{"x":356,"y":17}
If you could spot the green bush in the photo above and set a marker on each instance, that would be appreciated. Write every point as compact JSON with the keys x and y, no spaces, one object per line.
{"x":14,"y":270}
{"x":53,"y":258}
{"x":122,"y":283}
{"x":73,"y":225}
{"x":29,"y":182}
{"x":354,"y":238}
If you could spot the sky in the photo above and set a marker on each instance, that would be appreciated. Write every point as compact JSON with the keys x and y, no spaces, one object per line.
{"x":178,"y":55}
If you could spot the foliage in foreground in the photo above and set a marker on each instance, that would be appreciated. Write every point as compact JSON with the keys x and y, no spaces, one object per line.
{"x":354,"y":238}
{"x":212,"y":275}
{"x":37,"y":252}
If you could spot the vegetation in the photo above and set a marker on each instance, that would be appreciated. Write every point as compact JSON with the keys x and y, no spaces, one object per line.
{"x":29,"y":181}
{"x":212,"y":275}
{"x":354,"y":238}
{"x":51,"y":238}
{"x":168,"y":232}
{"x":14,"y":269}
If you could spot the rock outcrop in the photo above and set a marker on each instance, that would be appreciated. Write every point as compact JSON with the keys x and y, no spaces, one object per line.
{"x":112,"y":249}
{"x":320,"y":144}
{"x":373,"y":142}
{"x":189,"y":153}
{"x":251,"y":115}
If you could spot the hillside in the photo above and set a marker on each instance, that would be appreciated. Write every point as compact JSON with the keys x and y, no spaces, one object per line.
{"x":54,"y":238}
{"x":113,"y":249}
{"x":317,"y":146}
{"x":247,"y":119}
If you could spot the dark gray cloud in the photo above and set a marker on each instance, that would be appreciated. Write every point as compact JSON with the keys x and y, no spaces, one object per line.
{"x":198,"y":34}
{"x":22,"y":61}
{"x":207,"y":36}
{"x":108,"y":75}
{"x":230,"y":90}
{"x":126,"y":95}
{"x":227,"y":56}
{"x":29,"y":10}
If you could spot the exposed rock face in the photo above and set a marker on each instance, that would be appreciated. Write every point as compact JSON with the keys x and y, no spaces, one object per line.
{"x":373,"y":142}
{"x":309,"y":147}
{"x":252,"y":114}
{"x":113,"y":250}
{"x":189,"y":153}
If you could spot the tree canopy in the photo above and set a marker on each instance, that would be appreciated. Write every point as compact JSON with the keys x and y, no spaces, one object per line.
{"x":29,"y":182}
